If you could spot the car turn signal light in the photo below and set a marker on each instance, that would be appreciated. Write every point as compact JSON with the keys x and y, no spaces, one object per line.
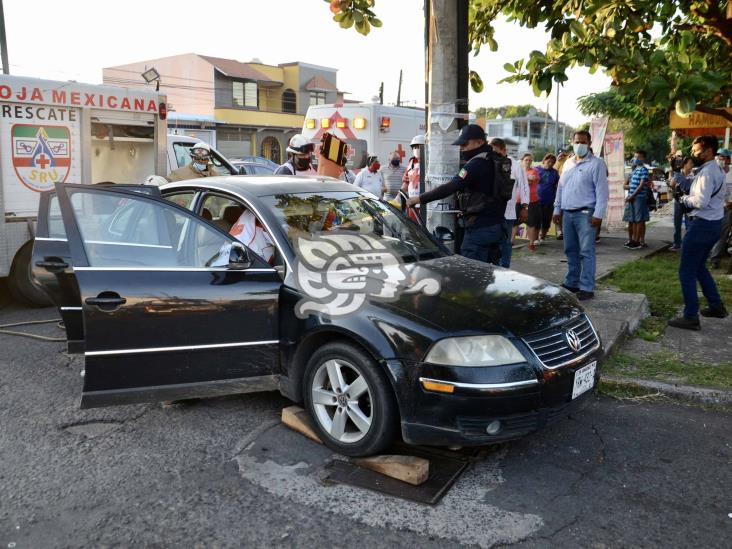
{"x":310,"y":123}
{"x":438,"y":387}
{"x":325,"y":123}
{"x":359,"y":123}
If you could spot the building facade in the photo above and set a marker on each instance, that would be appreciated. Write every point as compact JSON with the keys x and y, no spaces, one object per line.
{"x":242,"y":109}
{"x":530,"y":133}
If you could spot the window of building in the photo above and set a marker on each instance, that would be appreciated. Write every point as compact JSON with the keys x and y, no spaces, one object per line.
{"x":244,"y":94}
{"x":317,"y":98}
{"x":289,"y":101}
{"x":520,"y":128}
{"x":271,"y":149}
{"x":495,"y":130}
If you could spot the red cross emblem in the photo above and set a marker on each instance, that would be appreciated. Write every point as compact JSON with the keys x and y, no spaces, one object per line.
{"x":42,"y":161}
{"x":402,"y":153}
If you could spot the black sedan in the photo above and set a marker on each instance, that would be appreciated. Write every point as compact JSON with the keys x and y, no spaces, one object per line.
{"x":314,"y":288}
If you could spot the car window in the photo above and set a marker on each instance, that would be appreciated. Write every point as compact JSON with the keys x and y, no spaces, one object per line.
{"x":312,"y":214}
{"x":55,"y":222}
{"x":184,"y":199}
{"x":126,"y":231}
{"x":183,"y":158}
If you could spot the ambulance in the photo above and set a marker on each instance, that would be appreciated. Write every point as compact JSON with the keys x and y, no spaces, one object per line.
{"x":368,"y":128}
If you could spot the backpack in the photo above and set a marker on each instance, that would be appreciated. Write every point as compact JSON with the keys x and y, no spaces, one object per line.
{"x":502,"y":182}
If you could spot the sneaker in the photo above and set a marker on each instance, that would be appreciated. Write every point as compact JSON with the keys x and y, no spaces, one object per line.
{"x":540,"y":242}
{"x":570,"y":288}
{"x":597,"y":240}
{"x":582,"y":295}
{"x":685,"y":323}
{"x":643,"y":245}
{"x":532,"y":247}
{"x":634,"y":246}
{"x":714,"y":312}
{"x":675,"y":248}
{"x":626,"y":243}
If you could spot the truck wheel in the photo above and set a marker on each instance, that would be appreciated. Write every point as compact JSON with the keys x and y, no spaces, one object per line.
{"x":23,"y":287}
{"x":350,"y":400}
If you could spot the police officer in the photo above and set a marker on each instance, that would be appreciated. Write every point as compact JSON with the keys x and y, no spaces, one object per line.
{"x":200,"y":166}
{"x":484,"y":214}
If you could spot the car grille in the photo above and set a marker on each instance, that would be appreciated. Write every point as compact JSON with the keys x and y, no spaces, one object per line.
{"x":552,"y":347}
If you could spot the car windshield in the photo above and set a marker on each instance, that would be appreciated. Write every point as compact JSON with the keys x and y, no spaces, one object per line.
{"x":313,"y":214}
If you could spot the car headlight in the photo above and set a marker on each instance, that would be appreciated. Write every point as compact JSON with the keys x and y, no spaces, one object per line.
{"x":487,"y":350}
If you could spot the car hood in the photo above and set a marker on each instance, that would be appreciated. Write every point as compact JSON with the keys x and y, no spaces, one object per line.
{"x":476,"y":296}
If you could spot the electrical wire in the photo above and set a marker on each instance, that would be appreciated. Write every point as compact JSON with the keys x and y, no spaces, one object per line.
{"x":29,"y":323}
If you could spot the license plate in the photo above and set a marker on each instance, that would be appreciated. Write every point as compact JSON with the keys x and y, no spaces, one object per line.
{"x":584,"y":379}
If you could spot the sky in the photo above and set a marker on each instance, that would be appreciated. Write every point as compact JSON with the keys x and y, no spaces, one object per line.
{"x":73,"y":40}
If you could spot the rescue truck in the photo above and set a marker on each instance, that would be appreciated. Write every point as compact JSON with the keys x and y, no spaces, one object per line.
{"x":54,"y":131}
{"x":368,"y":128}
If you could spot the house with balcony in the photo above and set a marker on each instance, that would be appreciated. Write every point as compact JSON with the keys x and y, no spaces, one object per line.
{"x":241,"y":108}
{"x":529,"y":133}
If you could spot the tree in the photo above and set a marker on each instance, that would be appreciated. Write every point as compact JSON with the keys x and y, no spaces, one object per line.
{"x":508,"y":111}
{"x":664,"y":53}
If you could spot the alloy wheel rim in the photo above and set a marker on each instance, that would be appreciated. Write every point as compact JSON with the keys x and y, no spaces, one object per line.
{"x":342,"y":401}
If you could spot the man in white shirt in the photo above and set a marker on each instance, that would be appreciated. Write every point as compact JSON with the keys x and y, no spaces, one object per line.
{"x":520,"y":190}
{"x":371,"y":179}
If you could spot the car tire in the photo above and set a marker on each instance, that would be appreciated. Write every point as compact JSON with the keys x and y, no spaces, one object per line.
{"x":21,"y":284}
{"x":360,"y":416}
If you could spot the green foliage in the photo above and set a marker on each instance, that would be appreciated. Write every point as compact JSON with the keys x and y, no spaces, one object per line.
{"x":665,"y":366}
{"x":665,"y":54}
{"x":507,"y":111}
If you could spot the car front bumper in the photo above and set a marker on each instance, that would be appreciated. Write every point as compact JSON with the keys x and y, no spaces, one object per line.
{"x":523,"y":398}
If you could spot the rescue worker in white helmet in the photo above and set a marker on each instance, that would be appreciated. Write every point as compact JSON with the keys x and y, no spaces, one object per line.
{"x":300,"y":161}
{"x":200,"y":166}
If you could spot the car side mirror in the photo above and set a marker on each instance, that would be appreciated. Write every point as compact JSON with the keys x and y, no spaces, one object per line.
{"x":239,"y":257}
{"x":443,"y":234}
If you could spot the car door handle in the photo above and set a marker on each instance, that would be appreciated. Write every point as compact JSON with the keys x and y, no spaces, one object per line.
{"x":106,"y":301}
{"x":52,"y":265}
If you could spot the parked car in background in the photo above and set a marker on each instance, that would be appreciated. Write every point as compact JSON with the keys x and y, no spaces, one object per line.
{"x":254,"y":165}
{"x":168,"y":304}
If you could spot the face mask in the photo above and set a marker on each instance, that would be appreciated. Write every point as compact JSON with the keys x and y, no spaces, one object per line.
{"x":467,"y":155}
{"x":395,"y":162}
{"x":722,"y":162}
{"x":580,"y":149}
{"x":698,"y":161}
{"x":374,"y":167}
{"x":415,"y":153}
{"x":302,"y":163}
{"x":637,"y":162}
{"x":200,"y":167}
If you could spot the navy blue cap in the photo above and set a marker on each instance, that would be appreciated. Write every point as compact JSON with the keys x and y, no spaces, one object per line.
{"x":724,"y":152}
{"x":471,"y":131}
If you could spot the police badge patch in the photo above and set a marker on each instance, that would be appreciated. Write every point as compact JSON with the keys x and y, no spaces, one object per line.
{"x":462,"y":173}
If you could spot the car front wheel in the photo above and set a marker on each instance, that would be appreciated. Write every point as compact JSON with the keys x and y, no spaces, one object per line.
{"x":350,"y":400}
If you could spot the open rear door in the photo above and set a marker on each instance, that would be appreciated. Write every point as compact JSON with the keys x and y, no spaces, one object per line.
{"x":172,"y":306}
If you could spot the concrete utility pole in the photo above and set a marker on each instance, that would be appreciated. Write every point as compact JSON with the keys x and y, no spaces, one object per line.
{"x":3,"y":41}
{"x":447,"y":99}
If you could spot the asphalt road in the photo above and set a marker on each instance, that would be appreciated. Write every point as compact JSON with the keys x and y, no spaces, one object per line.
{"x":617,"y":474}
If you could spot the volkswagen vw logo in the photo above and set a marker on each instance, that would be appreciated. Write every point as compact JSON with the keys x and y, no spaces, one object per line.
{"x":573,"y":340}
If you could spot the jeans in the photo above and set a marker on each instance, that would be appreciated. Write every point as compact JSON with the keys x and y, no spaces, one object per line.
{"x":506,"y":246}
{"x":720,"y":248}
{"x":482,"y":243}
{"x":579,"y":246}
{"x":678,"y":218}
{"x":700,"y":236}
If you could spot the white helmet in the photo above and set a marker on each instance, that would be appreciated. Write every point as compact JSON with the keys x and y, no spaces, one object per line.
{"x":201,"y":152}
{"x":156,"y":180}
{"x":417,"y":140}
{"x":299,"y":144}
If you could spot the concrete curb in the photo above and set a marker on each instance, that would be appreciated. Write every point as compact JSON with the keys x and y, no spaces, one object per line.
{"x":684,"y":393}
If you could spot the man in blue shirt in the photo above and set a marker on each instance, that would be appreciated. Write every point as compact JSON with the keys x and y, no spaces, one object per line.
{"x":579,"y":207}
{"x":705,"y":203}
{"x":636,"y":208}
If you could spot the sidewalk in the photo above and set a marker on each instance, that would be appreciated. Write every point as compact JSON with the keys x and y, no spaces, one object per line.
{"x":617,"y":315}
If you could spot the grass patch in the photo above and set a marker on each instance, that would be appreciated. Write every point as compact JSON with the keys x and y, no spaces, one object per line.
{"x":657,"y":277}
{"x":665,"y":366}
